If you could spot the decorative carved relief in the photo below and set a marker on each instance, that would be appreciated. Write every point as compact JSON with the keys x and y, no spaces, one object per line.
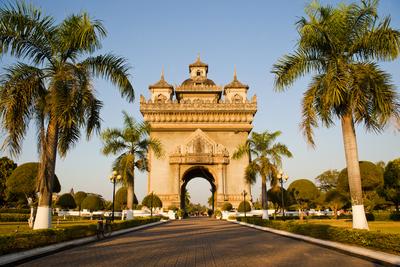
{"x":237,"y":99}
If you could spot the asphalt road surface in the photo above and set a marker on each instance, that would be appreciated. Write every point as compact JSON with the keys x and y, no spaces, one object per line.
{"x":199,"y":242}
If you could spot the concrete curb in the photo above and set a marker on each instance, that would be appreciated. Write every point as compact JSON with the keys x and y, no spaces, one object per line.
{"x":9,"y":259}
{"x":371,"y":255}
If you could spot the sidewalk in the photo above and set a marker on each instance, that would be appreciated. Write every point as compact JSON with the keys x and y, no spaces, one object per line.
{"x":371,"y":255}
{"x":36,"y":252}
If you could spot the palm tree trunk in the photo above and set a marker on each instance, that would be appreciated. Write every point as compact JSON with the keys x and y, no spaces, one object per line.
{"x":264,"y":197}
{"x":353,"y":170}
{"x":130,"y":197}
{"x":46,"y":176}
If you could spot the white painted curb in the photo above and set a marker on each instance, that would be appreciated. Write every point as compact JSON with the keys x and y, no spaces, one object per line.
{"x":17,"y":256}
{"x":363,"y":252}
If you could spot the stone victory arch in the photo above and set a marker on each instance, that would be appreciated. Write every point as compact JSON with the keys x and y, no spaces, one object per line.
{"x":199,"y":125}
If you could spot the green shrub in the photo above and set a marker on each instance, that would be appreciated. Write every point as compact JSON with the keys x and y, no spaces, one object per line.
{"x":11,"y":210}
{"x":14,"y":217}
{"x":227,"y":206}
{"x":375,"y":240}
{"x":92,"y":203}
{"x":395,"y":216}
{"x":381,"y":215}
{"x":173,"y":208}
{"x":66,"y":201}
{"x":231,"y":217}
{"x":27,"y":240}
{"x":218,"y":213}
{"x":152,"y":200}
{"x":370,"y":217}
{"x":242,"y":206}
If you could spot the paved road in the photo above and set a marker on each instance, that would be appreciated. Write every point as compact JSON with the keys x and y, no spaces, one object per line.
{"x":199,"y":242}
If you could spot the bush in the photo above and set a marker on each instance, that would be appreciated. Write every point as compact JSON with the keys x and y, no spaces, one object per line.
{"x":15,"y":242}
{"x":173,"y":208}
{"x":79,"y":197}
{"x":375,"y":240}
{"x":242,"y":206}
{"x":227,"y":206}
{"x":370,"y":217}
{"x":20,"y":211}
{"x":395,"y":216}
{"x":92,"y":203}
{"x":152,"y":200}
{"x":14,"y":217}
{"x":218,"y":213}
{"x":66,"y":201}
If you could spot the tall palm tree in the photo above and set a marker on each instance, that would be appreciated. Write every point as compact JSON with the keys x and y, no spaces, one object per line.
{"x":340,"y":46}
{"x":267,"y":159}
{"x":53,"y":86}
{"x":132,"y":143}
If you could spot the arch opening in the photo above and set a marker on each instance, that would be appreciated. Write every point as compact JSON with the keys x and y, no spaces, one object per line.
{"x":197,"y":172}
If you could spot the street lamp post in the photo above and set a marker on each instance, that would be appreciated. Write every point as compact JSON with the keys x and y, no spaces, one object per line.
{"x":244,"y":202}
{"x":114,"y":177}
{"x":282,"y":178}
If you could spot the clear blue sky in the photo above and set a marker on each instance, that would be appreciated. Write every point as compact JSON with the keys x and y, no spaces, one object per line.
{"x":251,"y":35}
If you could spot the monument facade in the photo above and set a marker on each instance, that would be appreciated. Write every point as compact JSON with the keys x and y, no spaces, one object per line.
{"x":199,"y":125}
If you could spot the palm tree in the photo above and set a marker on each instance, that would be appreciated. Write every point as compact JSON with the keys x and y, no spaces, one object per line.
{"x":54,"y":88}
{"x":132,"y":143}
{"x":340,"y":46}
{"x":268,"y":158}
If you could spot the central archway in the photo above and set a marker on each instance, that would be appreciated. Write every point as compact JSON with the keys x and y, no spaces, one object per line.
{"x":197,"y":172}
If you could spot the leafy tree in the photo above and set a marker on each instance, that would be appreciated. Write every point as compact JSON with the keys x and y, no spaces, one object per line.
{"x":327,"y":180}
{"x":152,"y":200}
{"x":79,"y":197}
{"x":227,"y":206}
{"x":121,"y":199}
{"x":275,"y":196}
{"x":55,"y":87}
{"x":244,"y":205}
{"x":267,"y":159}
{"x":340,"y":46}
{"x":21,"y":184}
{"x":6,"y":168}
{"x":132,"y":144}
{"x":66,"y":201}
{"x":93,"y":202}
{"x":392,"y":182}
{"x":335,"y":200}
{"x":372,"y":182}
{"x":303,"y":192}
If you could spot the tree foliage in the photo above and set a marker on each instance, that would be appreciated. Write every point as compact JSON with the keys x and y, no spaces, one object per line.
{"x":152,"y":200}
{"x":92,"y":202}
{"x":275,"y":197}
{"x":121,"y":199}
{"x":392,"y":182}
{"x":66,"y":201}
{"x":132,"y":145}
{"x":227,"y":206}
{"x":79,"y":197}
{"x":23,"y":180}
{"x":327,"y":180}
{"x":371,"y":177}
{"x":244,"y":205}
{"x":303,"y":192}
{"x":7,"y":166}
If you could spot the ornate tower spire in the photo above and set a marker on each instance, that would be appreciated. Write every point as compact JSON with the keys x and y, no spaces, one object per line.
{"x":162,"y":74}
{"x":234,"y":73}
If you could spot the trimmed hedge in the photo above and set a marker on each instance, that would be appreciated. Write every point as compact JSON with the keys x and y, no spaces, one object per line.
{"x":10,"y":210}
{"x":375,"y":240}
{"x":15,"y":242}
{"x":14,"y":217}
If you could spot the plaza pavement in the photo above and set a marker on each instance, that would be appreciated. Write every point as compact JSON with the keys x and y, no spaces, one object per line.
{"x":199,"y":242}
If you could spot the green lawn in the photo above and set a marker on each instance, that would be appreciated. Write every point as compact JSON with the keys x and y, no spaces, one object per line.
{"x":12,"y":227}
{"x":378,"y":226}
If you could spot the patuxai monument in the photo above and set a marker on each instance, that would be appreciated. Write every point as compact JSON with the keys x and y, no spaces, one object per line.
{"x":199,"y":124}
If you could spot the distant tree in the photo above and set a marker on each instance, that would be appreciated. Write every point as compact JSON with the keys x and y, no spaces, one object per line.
{"x":93,"y":203}
{"x":152,"y":200}
{"x":327,"y":180}
{"x":21,"y":184}
{"x":210,"y":201}
{"x":187,"y":198}
{"x":304,"y":193}
{"x":371,"y":182}
{"x":7,"y":166}
{"x":392,"y":182}
{"x":335,"y":200}
{"x":275,"y":197}
{"x":244,"y":205}
{"x":66,"y":201}
{"x":79,"y":197}
{"x":227,"y":206}
{"x":121,"y":199}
